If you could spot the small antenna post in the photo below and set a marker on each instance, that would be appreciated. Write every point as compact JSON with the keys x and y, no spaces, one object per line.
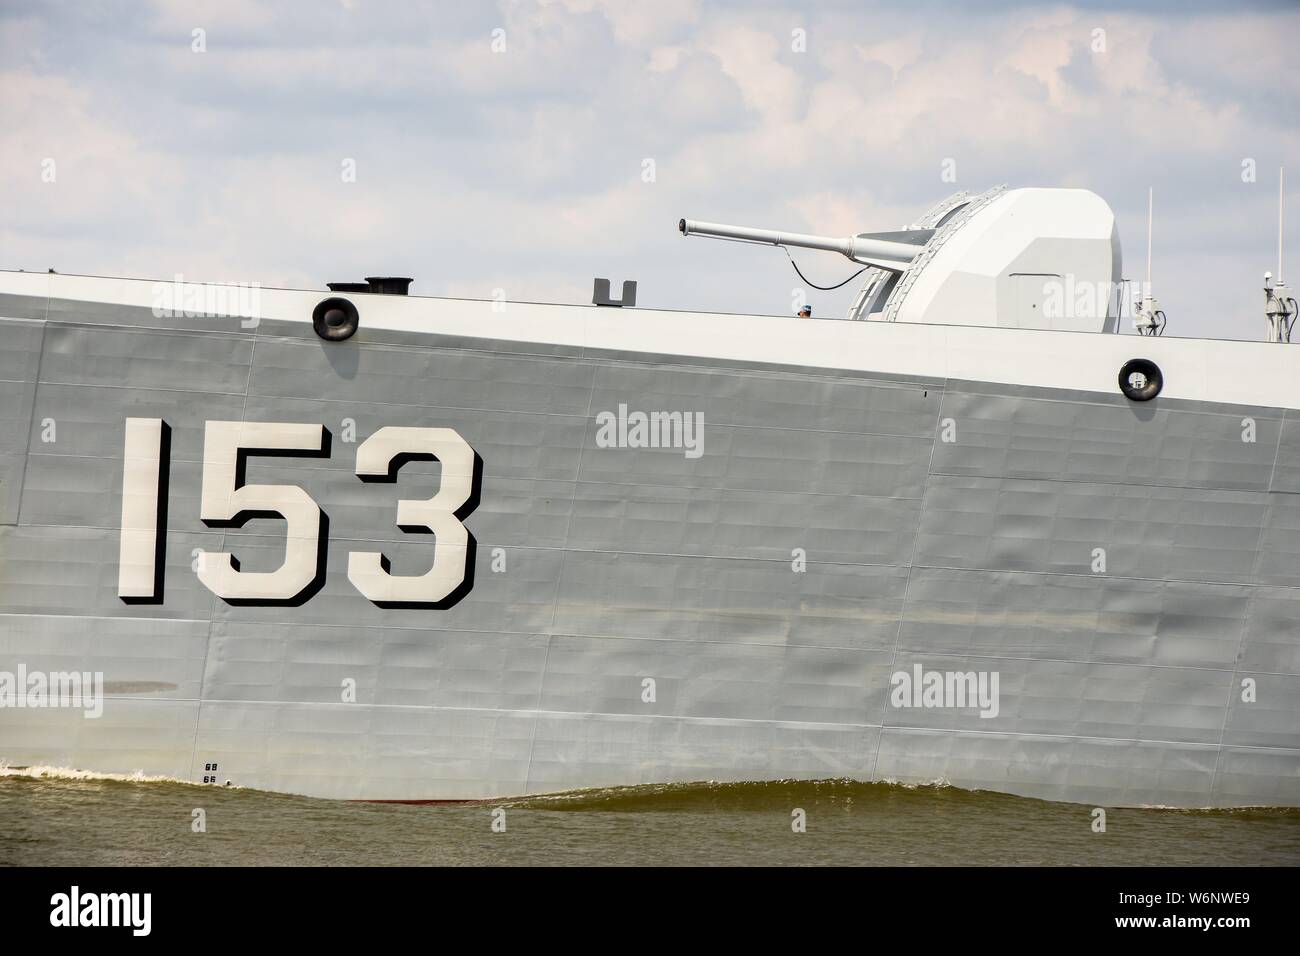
{"x":1151,"y":193}
{"x":1148,"y":318}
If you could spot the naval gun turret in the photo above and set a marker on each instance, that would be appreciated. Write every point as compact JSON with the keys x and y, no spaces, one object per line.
{"x":1017,"y":258}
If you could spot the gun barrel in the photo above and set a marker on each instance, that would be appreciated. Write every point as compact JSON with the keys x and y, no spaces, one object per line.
{"x":891,"y":253}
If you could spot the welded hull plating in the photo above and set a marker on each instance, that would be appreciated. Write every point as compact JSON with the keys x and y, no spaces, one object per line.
{"x":636,"y":615}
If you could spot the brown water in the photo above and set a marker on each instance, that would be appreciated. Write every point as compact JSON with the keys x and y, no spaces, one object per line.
{"x":111,"y":822}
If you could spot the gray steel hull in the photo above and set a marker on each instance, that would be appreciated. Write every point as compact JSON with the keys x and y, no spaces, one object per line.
{"x":1122,"y":686}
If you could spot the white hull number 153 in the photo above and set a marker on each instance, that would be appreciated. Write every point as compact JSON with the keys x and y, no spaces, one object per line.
{"x":228,"y":502}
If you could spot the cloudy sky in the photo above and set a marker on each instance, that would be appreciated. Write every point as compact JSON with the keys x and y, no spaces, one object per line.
{"x":505,"y":145}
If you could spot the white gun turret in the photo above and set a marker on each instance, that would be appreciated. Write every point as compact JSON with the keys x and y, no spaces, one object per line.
{"x":1003,"y":257}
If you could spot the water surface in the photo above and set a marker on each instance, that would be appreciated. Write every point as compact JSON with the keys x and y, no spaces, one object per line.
{"x":103,"y":821}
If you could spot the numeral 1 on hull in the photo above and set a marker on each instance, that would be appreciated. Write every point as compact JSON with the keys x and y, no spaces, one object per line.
{"x":146,"y":465}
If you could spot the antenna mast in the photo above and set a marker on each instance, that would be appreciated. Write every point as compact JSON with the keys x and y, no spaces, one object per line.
{"x":1151,"y":199}
{"x":1148,"y":318}
{"x":1279,"y":306}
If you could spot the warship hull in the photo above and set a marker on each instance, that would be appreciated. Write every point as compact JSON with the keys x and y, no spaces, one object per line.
{"x":865,"y":500}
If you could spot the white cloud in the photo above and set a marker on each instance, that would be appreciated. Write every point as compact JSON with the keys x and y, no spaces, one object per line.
{"x":896,"y":52}
{"x":750,"y":57}
{"x":182,"y":16}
